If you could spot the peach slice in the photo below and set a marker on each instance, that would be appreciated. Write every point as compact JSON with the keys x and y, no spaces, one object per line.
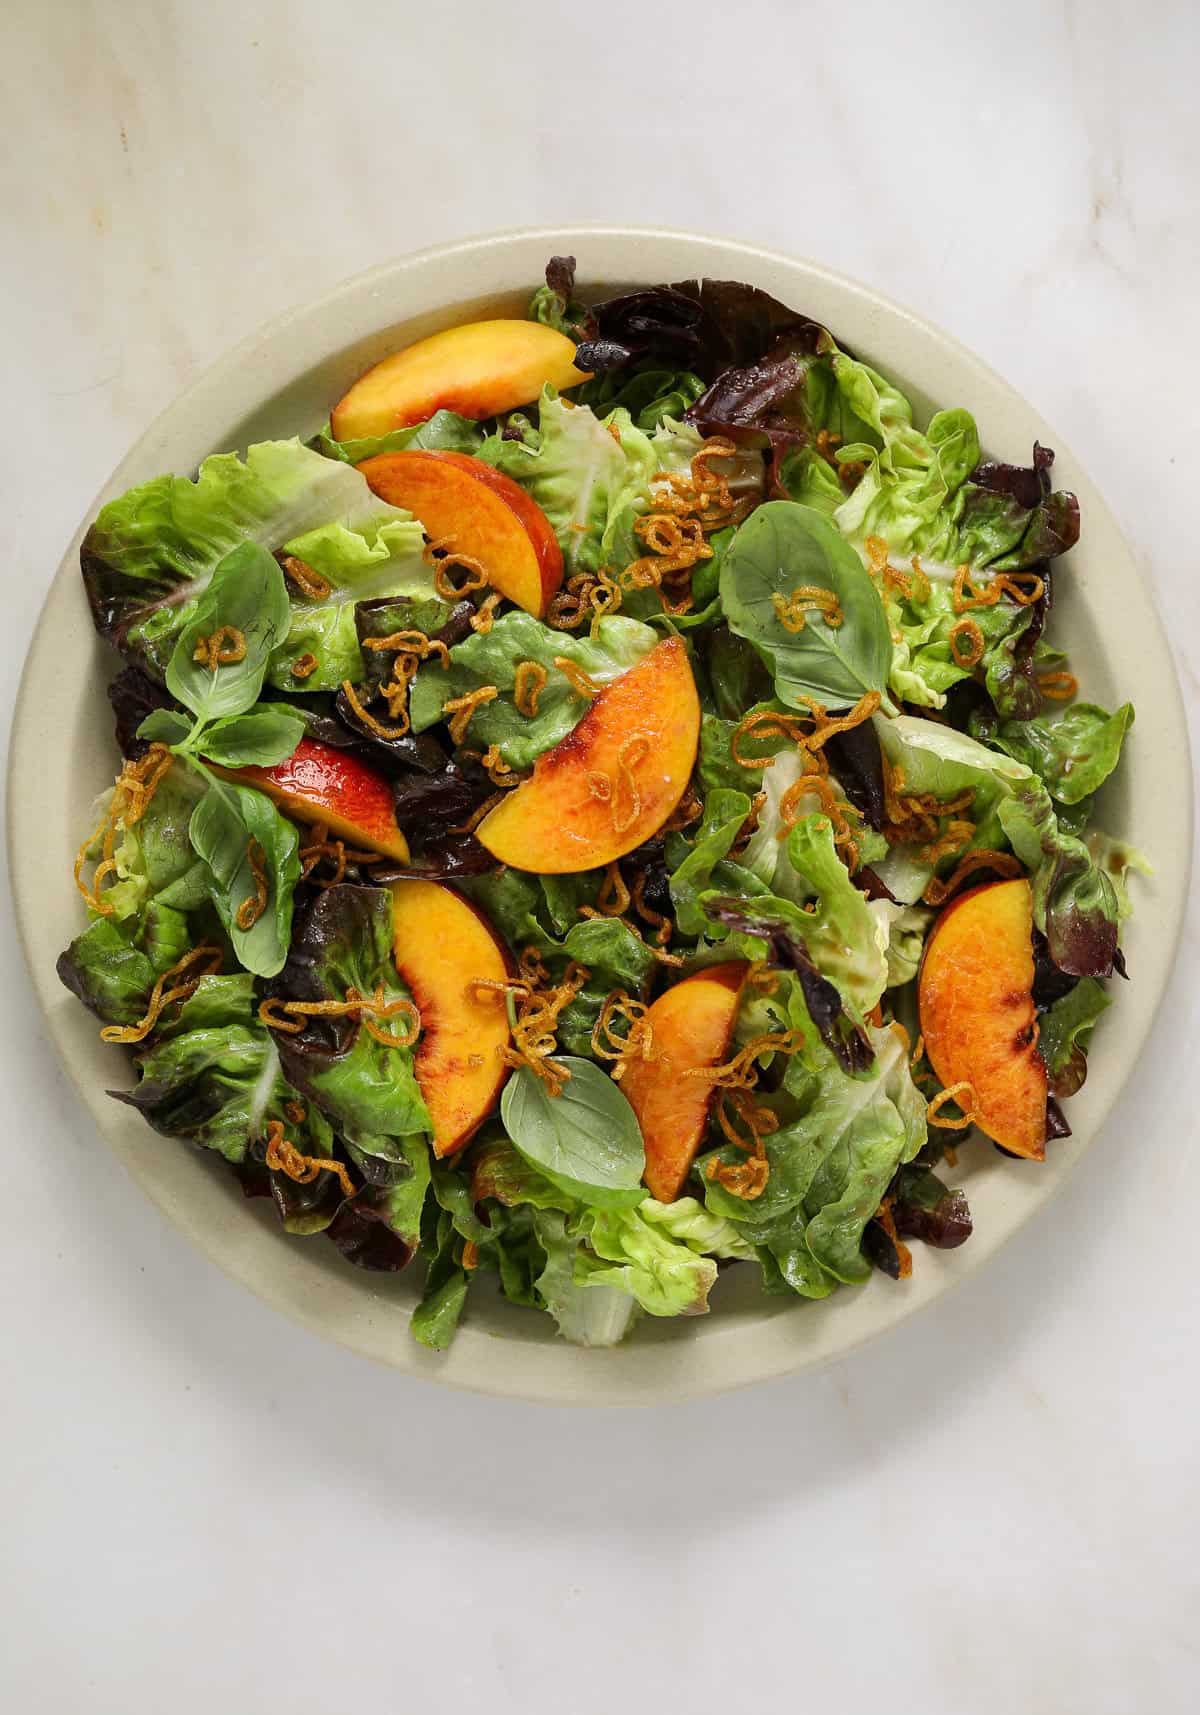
{"x":320,"y":784}
{"x":442,"y":946}
{"x":477,"y":370}
{"x":977,"y":1012}
{"x":691,"y":1028}
{"x":613,"y":781}
{"x":481,"y":512}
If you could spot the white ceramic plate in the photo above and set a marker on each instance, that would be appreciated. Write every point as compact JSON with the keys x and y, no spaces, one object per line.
{"x":282,"y":382}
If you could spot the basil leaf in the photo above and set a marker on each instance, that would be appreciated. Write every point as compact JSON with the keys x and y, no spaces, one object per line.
{"x":247,"y":593}
{"x":781,"y":547}
{"x":262,"y":737}
{"x":223,"y":823}
{"x":586,"y":1140}
{"x":165,"y":726}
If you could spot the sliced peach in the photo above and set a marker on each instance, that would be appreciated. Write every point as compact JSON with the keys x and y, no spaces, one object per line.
{"x":320,"y":784}
{"x":977,"y":1012}
{"x":613,"y":781}
{"x":477,"y":370}
{"x":480,"y":512}
{"x":443,"y":946}
{"x":691,"y":1026}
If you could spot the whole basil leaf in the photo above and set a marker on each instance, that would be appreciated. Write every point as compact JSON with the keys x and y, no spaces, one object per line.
{"x":246,"y":593}
{"x":165,"y":726}
{"x":264,"y":736}
{"x":223,"y":824}
{"x":586,"y":1140}
{"x":782,"y":546}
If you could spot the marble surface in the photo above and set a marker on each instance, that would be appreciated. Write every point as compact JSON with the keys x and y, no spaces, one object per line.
{"x":202,"y":1507}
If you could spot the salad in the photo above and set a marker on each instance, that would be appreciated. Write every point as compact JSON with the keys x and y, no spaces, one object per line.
{"x":605,"y":807}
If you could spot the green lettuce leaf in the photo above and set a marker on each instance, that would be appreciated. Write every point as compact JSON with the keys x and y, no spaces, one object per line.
{"x":367,"y":1088}
{"x":1074,"y":903}
{"x":1073,"y":752}
{"x":649,"y":395}
{"x":701,"y":869}
{"x":831,"y":1162}
{"x":445,"y":431}
{"x":1064,"y":1034}
{"x":590,"y":478}
{"x":493,"y":659}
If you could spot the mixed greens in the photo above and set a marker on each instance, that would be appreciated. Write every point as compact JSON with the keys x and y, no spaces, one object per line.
{"x":876,"y":868}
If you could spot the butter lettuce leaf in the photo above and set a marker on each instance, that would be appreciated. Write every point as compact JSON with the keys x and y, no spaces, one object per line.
{"x":589,"y":476}
{"x":494,"y":658}
{"x":831,"y":1161}
{"x":151,"y":553}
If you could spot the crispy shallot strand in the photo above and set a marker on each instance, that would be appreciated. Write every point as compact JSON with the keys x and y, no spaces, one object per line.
{"x":966,"y":643}
{"x":443,"y":557}
{"x":662,"y":925}
{"x":368,"y":719}
{"x":837,"y":810}
{"x":580,"y":682}
{"x":825,"y":725}
{"x":476,"y":816}
{"x":409,"y":642}
{"x":688,"y":810}
{"x":321,"y":849}
{"x":498,"y":771}
{"x":365,"y":1008}
{"x":484,"y":617}
{"x":529,"y":681}
{"x":1059,"y":686}
{"x":296,"y":1112}
{"x":676,"y":546}
{"x":613,"y":898}
{"x":1024,"y":588}
{"x":283,"y":1157}
{"x":760,"y":978}
{"x":793,"y":609}
{"x":758,"y":1120}
{"x":938,"y":890}
{"x":635,"y":750}
{"x":177,"y":984}
{"x":959,"y":833}
{"x":134,"y":788}
{"x":583,"y":593}
{"x":225,"y":648}
{"x":764,"y":724}
{"x":952,"y":1093}
{"x":470,"y":1255}
{"x":887,"y":1221}
{"x":461,"y":709}
{"x":251,"y":909}
{"x":749,"y":827}
{"x":304,"y":666}
{"x":309,"y":582}
{"x":636,"y":1042}
{"x":741,"y":1073}
{"x":918,"y":1052}
{"x":537,"y":1003}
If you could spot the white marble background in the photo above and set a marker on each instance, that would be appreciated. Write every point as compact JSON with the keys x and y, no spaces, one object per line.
{"x":203,"y":1508}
